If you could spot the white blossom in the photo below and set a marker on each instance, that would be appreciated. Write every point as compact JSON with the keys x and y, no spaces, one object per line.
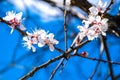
{"x":14,"y":20}
{"x":101,"y":6}
{"x":40,"y":38}
{"x":93,"y":26}
{"x":93,"y":10}
{"x":51,"y":41}
{"x":29,"y":43}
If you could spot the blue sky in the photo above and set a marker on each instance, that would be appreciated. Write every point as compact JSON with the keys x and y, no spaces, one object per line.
{"x":16,"y":60}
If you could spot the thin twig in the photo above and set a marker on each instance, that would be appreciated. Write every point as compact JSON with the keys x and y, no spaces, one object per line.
{"x":55,"y":70}
{"x":65,"y":54}
{"x":108,"y":56}
{"x":95,"y":59}
{"x":65,"y":25}
{"x":30,"y":74}
{"x":65,"y":39}
{"x":98,"y":63}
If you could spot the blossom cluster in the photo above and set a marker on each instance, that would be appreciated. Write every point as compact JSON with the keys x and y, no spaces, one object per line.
{"x":94,"y":25}
{"x":39,"y":37}
{"x":14,"y":20}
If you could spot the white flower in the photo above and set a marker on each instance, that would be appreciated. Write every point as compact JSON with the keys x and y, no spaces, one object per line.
{"x":101,"y":6}
{"x":93,"y":27}
{"x":104,"y":26}
{"x":93,"y":32}
{"x":83,"y":31}
{"x":91,"y":18}
{"x":50,"y":41}
{"x":29,"y":43}
{"x":11,"y":15}
{"x":93,"y":10}
{"x":14,"y":20}
{"x":40,"y":38}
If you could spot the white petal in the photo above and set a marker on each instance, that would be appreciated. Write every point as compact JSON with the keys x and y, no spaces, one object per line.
{"x":12,"y":31}
{"x":33,"y":49}
{"x":41,"y":44}
{"x":51,"y":36}
{"x":35,"y":41}
{"x":51,"y":47}
{"x":56,"y":42}
{"x":19,"y":16}
{"x":9,"y":16}
{"x":105,"y":4}
{"x":22,"y":27}
{"x":25,"y":38}
{"x":93,"y":10}
{"x":100,"y":4}
{"x":104,"y":20}
{"x":98,"y":18}
{"x":103,"y":33}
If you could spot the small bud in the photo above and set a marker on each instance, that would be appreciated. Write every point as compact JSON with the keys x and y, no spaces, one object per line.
{"x":84,"y":54}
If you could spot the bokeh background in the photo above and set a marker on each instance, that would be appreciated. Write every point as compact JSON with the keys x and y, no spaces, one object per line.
{"x":16,"y":60}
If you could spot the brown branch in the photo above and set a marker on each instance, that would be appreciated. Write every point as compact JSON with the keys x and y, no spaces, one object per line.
{"x":55,"y":70}
{"x":65,"y":39}
{"x":30,"y":74}
{"x":103,"y":40}
{"x":83,"y":4}
{"x":98,"y":63}
{"x":64,"y":55}
{"x":95,"y":59}
{"x":65,"y":25}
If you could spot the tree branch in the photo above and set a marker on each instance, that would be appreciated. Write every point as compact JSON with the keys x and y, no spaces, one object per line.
{"x":64,"y":55}
{"x":108,"y":56}
{"x":95,"y":59}
{"x":30,"y":74}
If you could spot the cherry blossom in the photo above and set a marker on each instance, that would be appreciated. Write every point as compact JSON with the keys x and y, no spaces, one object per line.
{"x":40,"y":38}
{"x":100,"y":7}
{"x":93,"y":29}
{"x":14,"y":20}
{"x":94,"y":25}
{"x":93,"y":10}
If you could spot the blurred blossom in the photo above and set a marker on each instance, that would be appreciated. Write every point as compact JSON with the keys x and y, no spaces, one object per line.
{"x":41,"y":8}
